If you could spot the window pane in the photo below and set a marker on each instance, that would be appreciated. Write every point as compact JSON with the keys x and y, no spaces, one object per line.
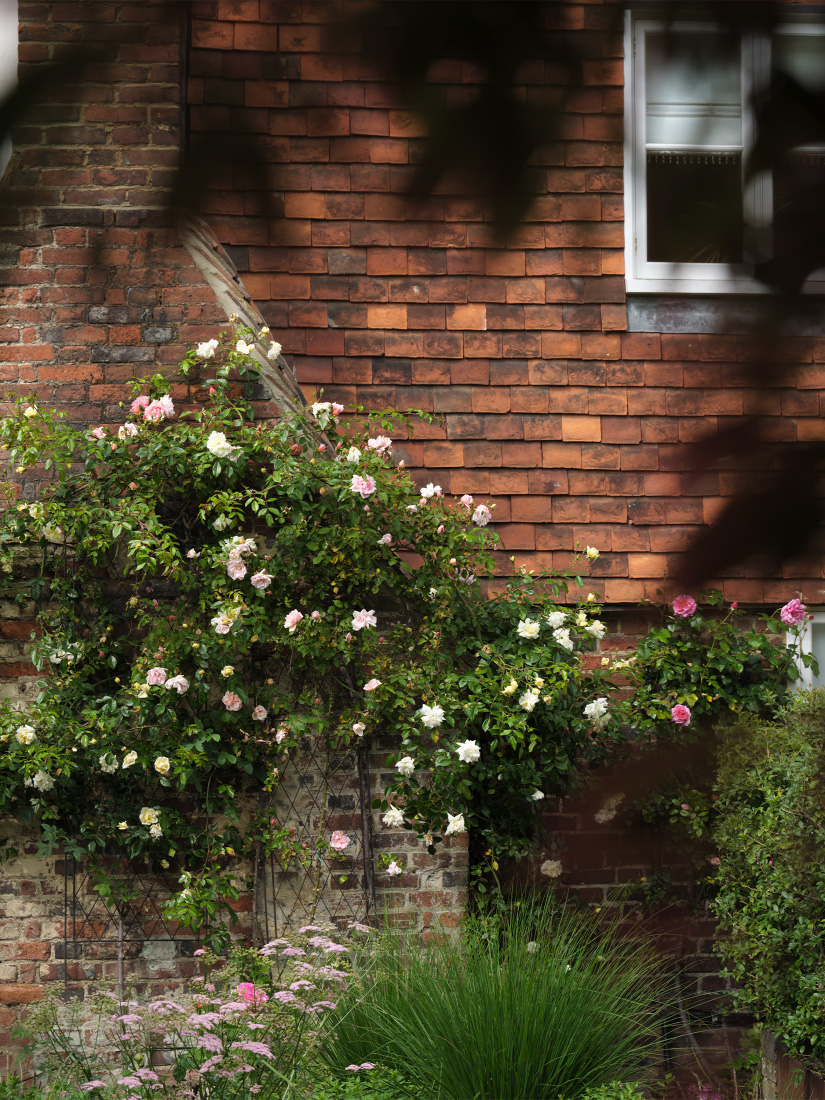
{"x":694,"y":89}
{"x":694,"y":208}
{"x":817,"y":629}
{"x":802,"y":56}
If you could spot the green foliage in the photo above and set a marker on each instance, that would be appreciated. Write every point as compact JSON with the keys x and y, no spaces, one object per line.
{"x":771,"y":871}
{"x":711,"y":663}
{"x":542,"y":1003}
{"x":372,"y":1084}
{"x":205,"y":586}
{"x":616,"y":1090}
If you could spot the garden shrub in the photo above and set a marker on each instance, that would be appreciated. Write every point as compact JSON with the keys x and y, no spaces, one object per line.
{"x":541,"y":1003}
{"x":211,"y":589}
{"x":770,"y":871}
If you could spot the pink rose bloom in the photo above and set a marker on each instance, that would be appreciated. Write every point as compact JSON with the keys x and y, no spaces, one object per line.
{"x":315,"y":615}
{"x":482,"y":515}
{"x":734,"y":605}
{"x":337,"y":409}
{"x":371,"y":685}
{"x":231,"y":701}
{"x":363,"y":618}
{"x":138,"y":404}
{"x":179,"y":683}
{"x":385,"y":540}
{"x":793,"y":613}
{"x":156,"y":676}
{"x":279,"y":736}
{"x":133,"y":485}
{"x":466,"y":500}
{"x":339,"y":841}
{"x":154,"y":411}
{"x":259,"y":713}
{"x":98,"y":433}
{"x":380,"y":444}
{"x":252,"y":996}
{"x":680,"y":714}
{"x":165,"y":403}
{"x":292,"y":620}
{"x":236,"y":569}
{"x":261,"y":580}
{"x":394,"y":869}
{"x":296,"y":448}
{"x":200,"y":951}
{"x":684,"y":606}
{"x":440,"y":529}
{"x":364,"y":486}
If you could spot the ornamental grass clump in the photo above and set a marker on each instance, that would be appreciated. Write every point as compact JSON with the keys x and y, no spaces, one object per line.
{"x":543,"y":1003}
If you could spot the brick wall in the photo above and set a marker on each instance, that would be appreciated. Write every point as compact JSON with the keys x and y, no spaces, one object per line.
{"x":573,"y":426}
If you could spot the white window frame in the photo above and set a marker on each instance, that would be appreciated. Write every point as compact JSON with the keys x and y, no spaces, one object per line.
{"x":643,"y":275}
{"x":806,"y":675}
{"x":9,"y":34}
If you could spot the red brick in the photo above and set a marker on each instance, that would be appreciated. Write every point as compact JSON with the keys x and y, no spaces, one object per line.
{"x":581,"y":428}
{"x":467,"y":317}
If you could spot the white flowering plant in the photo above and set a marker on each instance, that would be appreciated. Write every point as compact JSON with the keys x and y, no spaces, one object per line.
{"x":210,"y":587}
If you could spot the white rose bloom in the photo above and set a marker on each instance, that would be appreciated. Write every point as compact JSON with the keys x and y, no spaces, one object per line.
{"x":227,"y":670}
{"x":581,"y":619}
{"x":42,"y":780}
{"x":393,"y":818}
{"x":273,"y":351}
{"x":528,"y":629}
{"x":430,"y":490}
{"x":563,"y":638}
{"x":207,"y":350}
{"x":221,"y":523}
{"x":358,"y":729}
{"x":143,"y":691}
{"x":405,"y":766}
{"x":552,"y":868}
{"x":129,"y":759}
{"x":595,"y":712}
{"x":468,"y":751}
{"x":528,"y":700}
{"x":510,"y":689}
{"x":106,"y":765}
{"x":609,"y":809}
{"x":456,"y":824}
{"x":30,"y":411}
{"x":537,"y":795}
{"x":162,"y":765}
{"x":218,"y":445}
{"x":122,"y":825}
{"x":532,"y":947}
{"x":353,"y":455}
{"x":155,"y":832}
{"x":555,"y":619}
{"x":193,"y":553}
{"x":591,"y":552}
{"x":25,"y":735}
{"x":596,"y":629}
{"x":148,"y":816}
{"x":431,"y":717}
{"x":244,"y":348}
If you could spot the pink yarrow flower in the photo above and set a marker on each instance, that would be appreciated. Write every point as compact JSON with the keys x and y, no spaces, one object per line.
{"x":339,"y":841}
{"x":292,"y":620}
{"x":793,"y":613}
{"x":680,"y":714}
{"x":364,"y":486}
{"x":684,"y":606}
{"x":231,"y":701}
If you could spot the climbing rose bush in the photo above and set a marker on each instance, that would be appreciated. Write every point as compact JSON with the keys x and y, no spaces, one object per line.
{"x":180,"y":560}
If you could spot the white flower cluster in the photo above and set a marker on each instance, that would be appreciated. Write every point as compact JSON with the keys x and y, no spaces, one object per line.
{"x":609,"y":809}
{"x":596,"y":712}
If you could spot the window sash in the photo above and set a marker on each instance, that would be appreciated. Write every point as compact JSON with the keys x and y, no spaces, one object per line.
{"x":643,"y":275}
